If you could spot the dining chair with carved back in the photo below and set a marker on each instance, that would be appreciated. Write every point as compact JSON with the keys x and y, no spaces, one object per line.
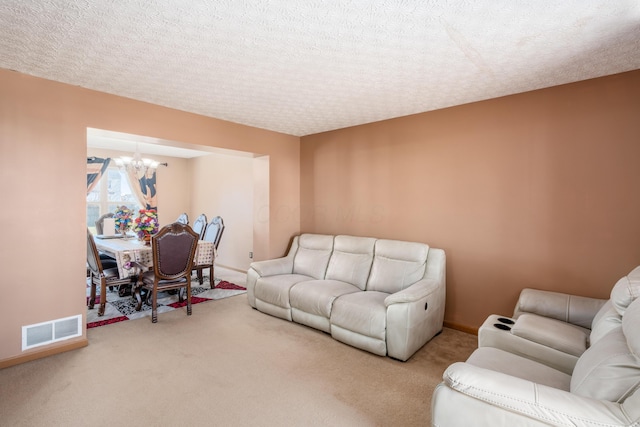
{"x":213,"y":233}
{"x":173,"y":248}
{"x":102,"y":274}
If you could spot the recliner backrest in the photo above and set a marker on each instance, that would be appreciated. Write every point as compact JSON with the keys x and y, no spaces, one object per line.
{"x":312,"y":256}
{"x":397,"y":265}
{"x":610,"y":368}
{"x":351,"y":260}
{"x":623,"y":293}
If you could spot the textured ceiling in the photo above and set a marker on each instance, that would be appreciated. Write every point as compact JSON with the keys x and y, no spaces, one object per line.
{"x":307,"y":66}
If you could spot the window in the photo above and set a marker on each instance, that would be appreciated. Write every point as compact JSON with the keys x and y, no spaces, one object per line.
{"x":112,"y":191}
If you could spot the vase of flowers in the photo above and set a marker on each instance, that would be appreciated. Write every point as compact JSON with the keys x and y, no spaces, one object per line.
{"x":123,"y":219}
{"x":146,"y":224}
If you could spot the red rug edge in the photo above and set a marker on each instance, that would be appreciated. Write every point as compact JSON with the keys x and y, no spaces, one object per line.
{"x":106,"y":322}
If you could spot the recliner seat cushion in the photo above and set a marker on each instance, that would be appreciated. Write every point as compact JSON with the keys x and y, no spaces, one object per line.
{"x":551,"y":333}
{"x":317,"y":296}
{"x":275,"y":289}
{"x":361,"y":312}
{"x":397,"y":265}
{"x":517,"y":366}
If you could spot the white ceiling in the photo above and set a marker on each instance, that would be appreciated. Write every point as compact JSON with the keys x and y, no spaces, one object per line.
{"x":307,"y":66}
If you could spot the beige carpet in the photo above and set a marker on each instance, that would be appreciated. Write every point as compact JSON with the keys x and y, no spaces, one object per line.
{"x":226,"y":365}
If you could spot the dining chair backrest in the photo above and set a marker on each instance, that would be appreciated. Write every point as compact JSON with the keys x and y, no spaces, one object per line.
{"x":183,"y":218}
{"x":93,"y":256}
{"x":199,"y":225}
{"x":100,"y":222}
{"x":174,"y":248}
{"x":214,"y":230}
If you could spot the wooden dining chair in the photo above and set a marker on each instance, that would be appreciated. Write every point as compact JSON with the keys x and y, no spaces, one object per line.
{"x":213,"y":233}
{"x":174,"y":248}
{"x":199,"y":225}
{"x":101,"y":276}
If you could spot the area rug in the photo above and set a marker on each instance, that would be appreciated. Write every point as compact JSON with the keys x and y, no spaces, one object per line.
{"x":123,"y":308}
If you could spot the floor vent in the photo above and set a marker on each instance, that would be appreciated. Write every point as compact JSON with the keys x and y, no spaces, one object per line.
{"x":50,"y":332}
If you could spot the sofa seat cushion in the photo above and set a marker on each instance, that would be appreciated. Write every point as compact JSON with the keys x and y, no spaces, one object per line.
{"x":361,"y":312}
{"x":317,"y":296}
{"x":552,"y":333}
{"x":275,"y":289}
{"x":511,"y":364}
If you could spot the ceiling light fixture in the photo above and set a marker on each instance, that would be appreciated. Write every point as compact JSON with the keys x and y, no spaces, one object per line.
{"x":137,"y":162}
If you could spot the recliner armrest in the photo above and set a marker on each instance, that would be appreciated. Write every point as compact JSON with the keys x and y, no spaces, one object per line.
{"x":419,"y":290}
{"x":573,"y":309}
{"x":272,"y":267}
{"x":545,"y":404}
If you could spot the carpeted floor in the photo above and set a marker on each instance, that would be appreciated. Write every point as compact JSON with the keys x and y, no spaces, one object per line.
{"x":120,"y":308}
{"x":226,"y":365}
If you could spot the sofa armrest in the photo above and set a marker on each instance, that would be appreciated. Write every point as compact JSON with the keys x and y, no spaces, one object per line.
{"x":505,"y":393}
{"x":418,"y":291}
{"x":573,"y":309}
{"x":272,"y":267}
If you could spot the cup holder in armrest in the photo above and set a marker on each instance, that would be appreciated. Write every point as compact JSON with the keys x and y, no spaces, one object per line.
{"x":502,"y":326}
{"x":505,"y":321}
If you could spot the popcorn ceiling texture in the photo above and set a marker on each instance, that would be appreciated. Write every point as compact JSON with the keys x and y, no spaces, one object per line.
{"x":307,"y":66}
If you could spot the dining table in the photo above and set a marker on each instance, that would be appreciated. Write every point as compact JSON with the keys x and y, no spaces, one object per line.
{"x":133,"y":257}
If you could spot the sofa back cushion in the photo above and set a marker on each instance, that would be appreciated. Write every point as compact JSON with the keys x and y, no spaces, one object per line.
{"x":626,"y":290}
{"x":313,"y":255}
{"x":351,"y":260}
{"x":397,"y":265}
{"x":610,"y":368}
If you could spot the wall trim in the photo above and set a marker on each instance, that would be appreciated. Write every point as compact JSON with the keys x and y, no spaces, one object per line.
{"x":49,"y":351}
{"x":462,"y":328}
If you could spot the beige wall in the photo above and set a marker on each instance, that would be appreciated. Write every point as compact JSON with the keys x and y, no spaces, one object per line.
{"x":540,"y":189}
{"x":43,"y":133}
{"x":223,"y":186}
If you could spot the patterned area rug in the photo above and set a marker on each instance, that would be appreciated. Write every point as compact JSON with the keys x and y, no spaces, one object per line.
{"x":123,"y":308}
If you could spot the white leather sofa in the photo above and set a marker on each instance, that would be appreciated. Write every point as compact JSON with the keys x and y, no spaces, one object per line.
{"x":523,"y":381}
{"x":383,"y":296}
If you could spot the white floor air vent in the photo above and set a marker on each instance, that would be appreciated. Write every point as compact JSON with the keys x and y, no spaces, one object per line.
{"x":50,"y":332}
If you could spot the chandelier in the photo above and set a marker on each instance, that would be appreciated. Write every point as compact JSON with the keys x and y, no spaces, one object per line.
{"x":137,"y":162}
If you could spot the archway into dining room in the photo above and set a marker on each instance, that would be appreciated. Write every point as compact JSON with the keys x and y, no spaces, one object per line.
{"x":188,"y":179}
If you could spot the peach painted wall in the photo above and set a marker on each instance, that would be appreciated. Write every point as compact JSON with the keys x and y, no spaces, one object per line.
{"x":540,"y":189}
{"x":43,"y":133}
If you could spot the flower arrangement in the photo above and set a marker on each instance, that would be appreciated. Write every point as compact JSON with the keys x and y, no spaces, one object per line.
{"x":123,"y":219}
{"x":146,"y":222}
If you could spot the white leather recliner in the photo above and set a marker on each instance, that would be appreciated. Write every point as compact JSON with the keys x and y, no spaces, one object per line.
{"x":556,"y":328}
{"x":526,"y":387}
{"x":497,"y":388}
